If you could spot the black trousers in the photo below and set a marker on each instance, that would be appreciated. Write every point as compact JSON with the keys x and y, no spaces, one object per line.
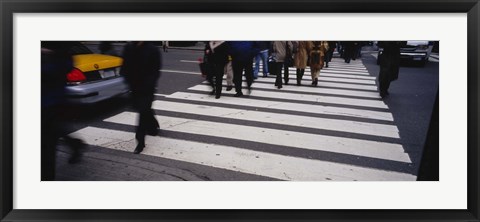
{"x":300,"y":73}
{"x":278,"y":73}
{"x":384,"y":80}
{"x":54,"y":126}
{"x":238,"y":68}
{"x":146,"y":122}
{"x":215,"y":77}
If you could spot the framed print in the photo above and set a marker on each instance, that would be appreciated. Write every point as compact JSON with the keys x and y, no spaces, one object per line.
{"x":154,"y":130}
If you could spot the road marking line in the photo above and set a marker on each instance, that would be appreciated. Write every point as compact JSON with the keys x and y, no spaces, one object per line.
{"x":179,"y":71}
{"x":190,"y":61}
{"x":324,"y":84}
{"x":332,"y":92}
{"x":285,"y":119}
{"x":240,"y":160}
{"x":288,"y":106}
{"x":358,"y":147}
{"x":303,"y":97}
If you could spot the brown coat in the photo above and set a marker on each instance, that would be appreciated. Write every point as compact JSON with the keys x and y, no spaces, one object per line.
{"x":301,"y":56}
{"x":322,"y":48}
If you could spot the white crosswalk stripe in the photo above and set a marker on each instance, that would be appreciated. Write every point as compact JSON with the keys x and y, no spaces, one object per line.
{"x":342,"y":117}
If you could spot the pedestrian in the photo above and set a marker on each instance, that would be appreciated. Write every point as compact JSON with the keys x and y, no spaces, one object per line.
{"x":281,"y":49}
{"x":56,"y":63}
{"x":242,"y":53}
{"x":165,"y":46}
{"x":329,"y":54}
{"x":300,"y":60}
{"x":349,"y":50}
{"x":217,"y":54}
{"x":263,"y":56}
{"x":141,"y":68}
{"x":389,"y":64}
{"x":229,"y":73}
{"x":317,"y":50}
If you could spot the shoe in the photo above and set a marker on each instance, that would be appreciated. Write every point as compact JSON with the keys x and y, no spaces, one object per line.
{"x":217,"y":96}
{"x":139,"y":148}
{"x":279,"y":86}
{"x":249,"y":90}
{"x":77,"y":146}
{"x":326,"y":66}
{"x":229,"y":88}
{"x":316,"y":82}
{"x":265,"y":75}
{"x":255,"y":77}
{"x":238,"y":94}
{"x":286,"y":82}
{"x":299,"y":82}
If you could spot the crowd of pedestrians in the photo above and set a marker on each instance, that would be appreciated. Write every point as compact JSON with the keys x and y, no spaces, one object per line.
{"x":236,"y":59}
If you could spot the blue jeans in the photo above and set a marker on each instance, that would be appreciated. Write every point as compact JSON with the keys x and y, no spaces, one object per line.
{"x":263,"y":55}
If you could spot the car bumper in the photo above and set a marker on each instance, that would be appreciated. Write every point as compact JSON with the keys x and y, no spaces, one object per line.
{"x":414,"y":56}
{"x":96,"y":91}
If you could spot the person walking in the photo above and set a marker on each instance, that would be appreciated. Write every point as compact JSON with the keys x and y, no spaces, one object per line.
{"x":349,"y":50}
{"x":56,"y":63}
{"x":217,"y":53}
{"x":279,"y":49}
{"x":242,"y":53}
{"x":141,"y":65}
{"x":263,"y":56}
{"x":329,"y":55}
{"x":300,"y":60}
{"x":389,"y":64}
{"x":165,"y":46}
{"x":317,"y":50}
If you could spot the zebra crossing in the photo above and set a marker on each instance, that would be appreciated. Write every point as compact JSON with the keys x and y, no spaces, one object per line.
{"x":340,"y":130}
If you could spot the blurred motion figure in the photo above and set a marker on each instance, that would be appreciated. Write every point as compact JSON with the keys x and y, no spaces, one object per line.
{"x":141,"y":68}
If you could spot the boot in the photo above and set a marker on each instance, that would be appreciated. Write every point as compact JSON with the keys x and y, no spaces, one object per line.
{"x":139,"y":147}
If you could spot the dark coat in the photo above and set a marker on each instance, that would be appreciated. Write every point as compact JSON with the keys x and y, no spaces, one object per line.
{"x":141,"y":66}
{"x":390,"y":59}
{"x":55,"y":67}
{"x":243,"y":51}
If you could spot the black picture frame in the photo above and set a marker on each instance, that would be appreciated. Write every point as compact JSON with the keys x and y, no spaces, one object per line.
{"x":10,"y":7}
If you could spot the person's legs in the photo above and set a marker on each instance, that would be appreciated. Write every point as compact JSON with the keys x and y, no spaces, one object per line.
{"x":258,"y":57}
{"x":300,"y":76}
{"x":219,"y":68}
{"x":229,"y":72}
{"x":49,"y":139}
{"x":315,"y":73}
{"x":278,"y":74}
{"x":143,"y":104}
{"x":383,"y":81}
{"x":265,"y":63}
{"x":210,"y":77}
{"x":286,"y":69}
{"x":237,"y":77}
{"x":248,"y":75}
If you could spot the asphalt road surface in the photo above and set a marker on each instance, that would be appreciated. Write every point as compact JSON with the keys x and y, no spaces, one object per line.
{"x":340,"y":130}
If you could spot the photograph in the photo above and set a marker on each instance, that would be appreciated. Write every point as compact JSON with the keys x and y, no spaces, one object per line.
{"x":239,"y":111}
{"x":288,"y":110}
